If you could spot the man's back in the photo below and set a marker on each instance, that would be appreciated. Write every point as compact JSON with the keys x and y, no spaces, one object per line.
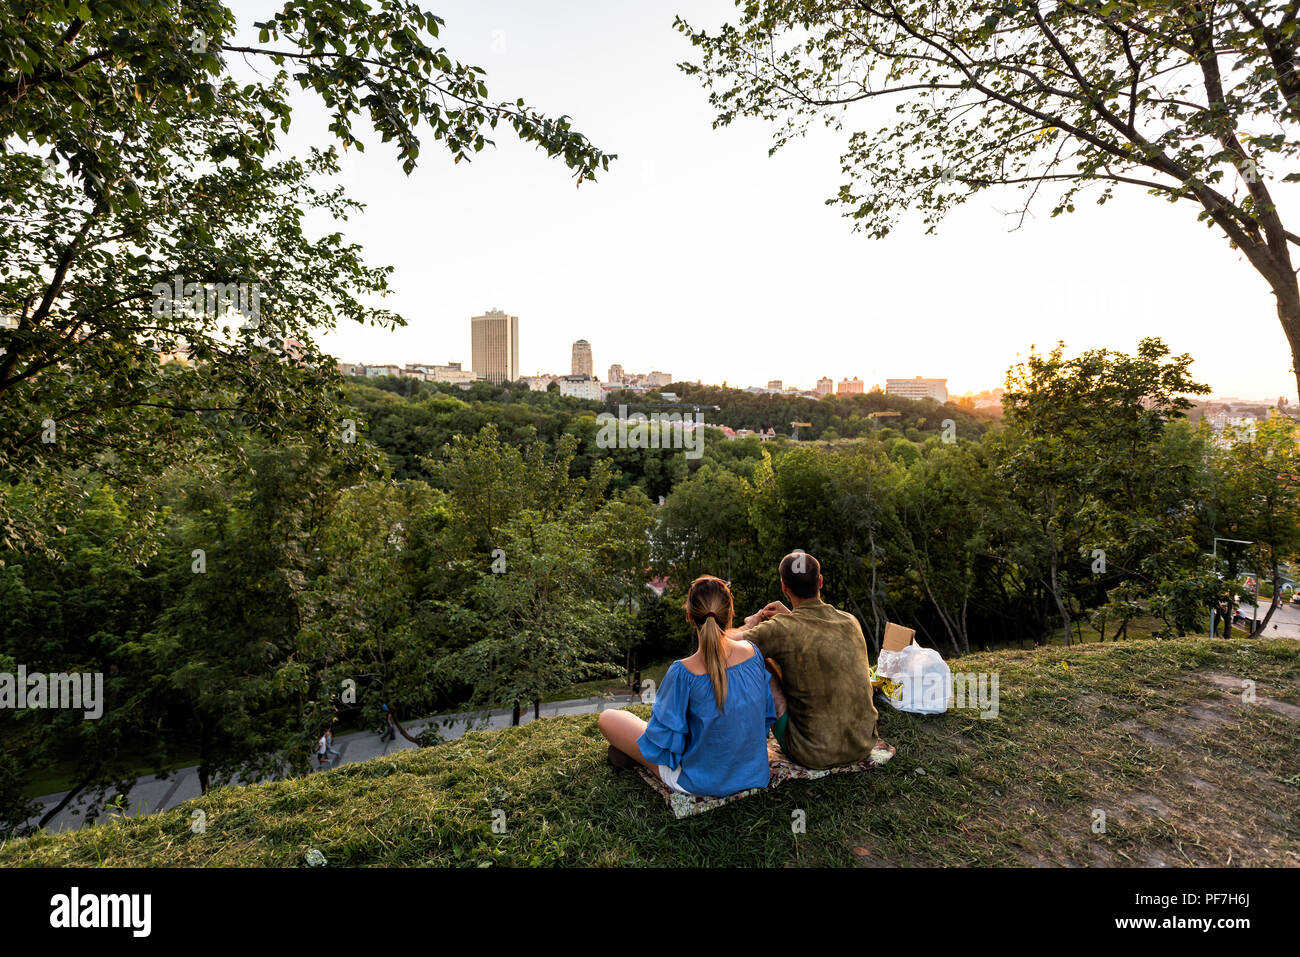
{"x":827,"y":681}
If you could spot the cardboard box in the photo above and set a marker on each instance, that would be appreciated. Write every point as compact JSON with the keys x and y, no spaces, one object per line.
{"x":897,"y":637}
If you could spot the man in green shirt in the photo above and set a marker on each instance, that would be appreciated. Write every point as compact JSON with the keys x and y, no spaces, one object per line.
{"x":829,"y":717}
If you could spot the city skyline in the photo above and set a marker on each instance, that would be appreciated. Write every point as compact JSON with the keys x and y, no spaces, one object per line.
{"x":494,"y":350}
{"x":582,"y":366}
{"x":708,"y":274}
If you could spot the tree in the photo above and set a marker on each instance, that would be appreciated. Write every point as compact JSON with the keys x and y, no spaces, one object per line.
{"x":1083,"y":456}
{"x":159,"y":192}
{"x":224,"y":651}
{"x":359,"y":620}
{"x":1197,"y":103}
{"x":89,"y":79}
{"x":77,"y":615}
{"x":937,"y":524}
{"x":506,"y":557}
{"x":1258,"y":494}
{"x":832,"y":505}
{"x":542,"y":624}
{"x":704,"y":529}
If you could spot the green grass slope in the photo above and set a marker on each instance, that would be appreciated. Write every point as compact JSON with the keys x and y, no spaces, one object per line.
{"x":1155,"y":734}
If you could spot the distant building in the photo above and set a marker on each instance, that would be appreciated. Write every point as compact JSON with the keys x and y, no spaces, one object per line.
{"x":825,"y":385}
{"x":451,"y":372}
{"x":1229,"y":428}
{"x":615,"y":374}
{"x":375,"y":372}
{"x":657,"y":378}
{"x":580,"y":387}
{"x":582,"y":364}
{"x":850,"y":387}
{"x":1221,"y":417}
{"x":774,"y":385}
{"x":495,"y":346}
{"x":918,"y":388}
{"x":538,"y":383}
{"x":351,"y":368}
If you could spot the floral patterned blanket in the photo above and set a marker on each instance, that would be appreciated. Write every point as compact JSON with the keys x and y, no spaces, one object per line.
{"x":783,"y":769}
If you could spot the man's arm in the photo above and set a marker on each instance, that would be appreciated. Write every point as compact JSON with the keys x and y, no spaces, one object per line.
{"x":764,"y":613}
{"x":768,"y":634}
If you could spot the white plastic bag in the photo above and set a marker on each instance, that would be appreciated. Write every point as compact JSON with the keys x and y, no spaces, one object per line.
{"x":924,"y":676}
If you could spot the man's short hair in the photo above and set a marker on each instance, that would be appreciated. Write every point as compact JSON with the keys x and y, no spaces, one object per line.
{"x":800,"y":573}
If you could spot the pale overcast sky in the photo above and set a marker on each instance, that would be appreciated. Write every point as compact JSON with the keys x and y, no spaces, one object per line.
{"x":699,"y":255}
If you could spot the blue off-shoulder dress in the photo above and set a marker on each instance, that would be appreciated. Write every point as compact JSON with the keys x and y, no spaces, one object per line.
{"x":707,"y":752}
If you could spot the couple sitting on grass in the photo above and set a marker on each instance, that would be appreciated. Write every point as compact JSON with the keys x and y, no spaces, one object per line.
{"x":707,"y":733}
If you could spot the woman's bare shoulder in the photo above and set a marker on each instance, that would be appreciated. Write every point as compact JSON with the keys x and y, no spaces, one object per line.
{"x":741,"y":651}
{"x":694,"y":664}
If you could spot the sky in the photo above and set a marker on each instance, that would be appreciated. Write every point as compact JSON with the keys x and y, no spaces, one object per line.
{"x":699,"y":255}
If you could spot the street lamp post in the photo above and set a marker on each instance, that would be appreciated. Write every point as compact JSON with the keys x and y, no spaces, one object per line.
{"x":1235,"y":541}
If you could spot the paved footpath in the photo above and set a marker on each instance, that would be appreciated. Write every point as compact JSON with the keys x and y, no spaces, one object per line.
{"x":1285,"y":622}
{"x":152,"y":793}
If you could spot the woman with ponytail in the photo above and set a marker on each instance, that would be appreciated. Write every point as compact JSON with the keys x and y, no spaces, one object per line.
{"x":707,"y":733}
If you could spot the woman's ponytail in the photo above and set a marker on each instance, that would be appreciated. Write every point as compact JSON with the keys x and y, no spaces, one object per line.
{"x":714,"y":646}
{"x":709,"y":608}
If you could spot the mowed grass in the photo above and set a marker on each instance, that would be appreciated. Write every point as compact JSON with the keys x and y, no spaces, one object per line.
{"x":1155,"y":734}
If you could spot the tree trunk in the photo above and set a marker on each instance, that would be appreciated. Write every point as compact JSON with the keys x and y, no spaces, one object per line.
{"x":517,"y":713}
{"x":1277,"y":592}
{"x":943,"y":615}
{"x":1065,"y":614}
{"x":1288,"y":312}
{"x":67,"y":799}
{"x":398,"y":725}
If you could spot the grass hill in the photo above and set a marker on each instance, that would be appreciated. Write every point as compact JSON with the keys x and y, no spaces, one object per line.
{"x":1154,"y":733}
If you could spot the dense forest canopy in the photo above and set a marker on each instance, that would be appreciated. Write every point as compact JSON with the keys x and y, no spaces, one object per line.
{"x":478,"y":548}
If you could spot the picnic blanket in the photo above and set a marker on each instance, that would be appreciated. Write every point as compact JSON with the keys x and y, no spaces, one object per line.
{"x":783,"y":769}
